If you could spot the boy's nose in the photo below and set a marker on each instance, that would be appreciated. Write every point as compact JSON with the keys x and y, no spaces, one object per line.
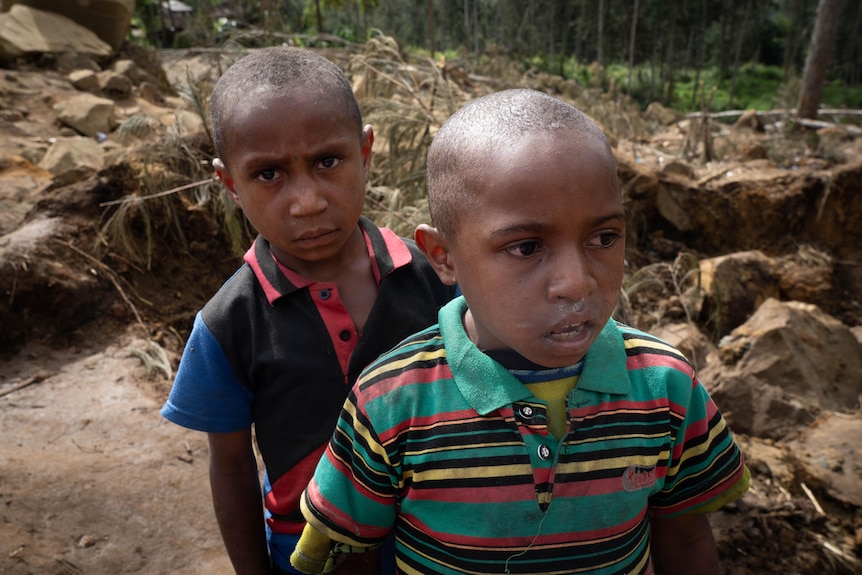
{"x":306,"y":198}
{"x":571,"y":278}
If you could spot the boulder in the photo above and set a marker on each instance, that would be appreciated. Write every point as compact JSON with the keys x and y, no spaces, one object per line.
{"x":750,"y":120}
{"x":67,"y":154}
{"x":25,"y":30}
{"x":783,"y":367}
{"x":84,"y":80}
{"x":107,"y":19}
{"x":86,"y":113}
{"x":659,"y":114}
{"x":688,"y":339}
{"x":734,"y":285}
{"x":114,"y":84}
{"x":21,"y":184}
{"x":831,"y":456}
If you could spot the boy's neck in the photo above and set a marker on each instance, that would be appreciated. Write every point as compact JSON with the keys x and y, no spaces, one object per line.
{"x":511,"y":359}
{"x":352,"y":257}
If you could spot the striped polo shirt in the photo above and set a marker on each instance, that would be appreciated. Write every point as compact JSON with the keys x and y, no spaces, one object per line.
{"x":442,"y":444}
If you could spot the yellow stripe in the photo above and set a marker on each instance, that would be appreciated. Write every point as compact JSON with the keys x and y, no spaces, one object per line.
{"x":648,"y":343}
{"x":611,"y":463}
{"x":401,"y":364}
{"x":704,"y":446}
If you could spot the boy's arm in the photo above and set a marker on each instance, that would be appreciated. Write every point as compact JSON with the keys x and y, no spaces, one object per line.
{"x":237,"y":501}
{"x":683,"y":545}
{"x":313,"y":555}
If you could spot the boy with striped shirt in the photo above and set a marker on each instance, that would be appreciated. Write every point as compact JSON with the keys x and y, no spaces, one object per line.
{"x":526,"y":432}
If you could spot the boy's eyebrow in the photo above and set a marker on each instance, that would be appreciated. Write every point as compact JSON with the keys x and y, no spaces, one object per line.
{"x":538,"y":227}
{"x":621,"y":215}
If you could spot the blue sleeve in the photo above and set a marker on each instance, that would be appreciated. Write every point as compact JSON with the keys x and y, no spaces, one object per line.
{"x":206,"y":395}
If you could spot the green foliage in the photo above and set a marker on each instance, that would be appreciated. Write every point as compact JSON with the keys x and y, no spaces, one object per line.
{"x":560,"y":38}
{"x":838,"y":95}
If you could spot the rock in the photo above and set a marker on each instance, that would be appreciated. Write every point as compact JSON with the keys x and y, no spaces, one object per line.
{"x":84,"y":80}
{"x":114,"y":84}
{"x":678,"y":168}
{"x":661,"y":115}
{"x":21,"y":183}
{"x":107,"y":19}
{"x":12,"y":115}
{"x":671,"y":199}
{"x":752,"y":151}
{"x":783,"y":367}
{"x":86,"y":113}
{"x":151,"y":93}
{"x":807,"y":276}
{"x":689,"y":340}
{"x":67,"y":154}
{"x":750,"y":120}
{"x":734,"y":285}
{"x":25,"y":30}
{"x":831,"y":456}
{"x":130,"y":69}
{"x":68,"y":62}
{"x":635,"y":179}
{"x":754,"y":407}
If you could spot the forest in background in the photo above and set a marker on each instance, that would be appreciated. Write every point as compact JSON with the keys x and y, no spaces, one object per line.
{"x":687,"y":54}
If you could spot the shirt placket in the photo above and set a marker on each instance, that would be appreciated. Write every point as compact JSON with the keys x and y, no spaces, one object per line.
{"x":542,"y":448}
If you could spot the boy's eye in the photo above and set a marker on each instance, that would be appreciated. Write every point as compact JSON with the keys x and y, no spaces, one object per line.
{"x":265,"y":175}
{"x":330,"y":162}
{"x":524,"y":249}
{"x":607,"y":239}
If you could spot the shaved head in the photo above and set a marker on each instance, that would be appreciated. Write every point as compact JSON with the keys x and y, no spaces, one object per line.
{"x":486,"y":125}
{"x":278,"y":69}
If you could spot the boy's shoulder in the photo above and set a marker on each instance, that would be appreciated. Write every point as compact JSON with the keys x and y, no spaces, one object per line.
{"x":637,"y":342}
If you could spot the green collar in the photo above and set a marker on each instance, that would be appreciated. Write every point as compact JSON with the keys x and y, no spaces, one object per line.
{"x":488,"y":386}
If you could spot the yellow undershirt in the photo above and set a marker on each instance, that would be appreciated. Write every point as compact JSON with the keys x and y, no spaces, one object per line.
{"x":554,"y":393}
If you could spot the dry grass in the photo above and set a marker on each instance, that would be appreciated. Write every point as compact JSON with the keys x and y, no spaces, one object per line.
{"x":406,"y":102}
{"x":674,"y":287}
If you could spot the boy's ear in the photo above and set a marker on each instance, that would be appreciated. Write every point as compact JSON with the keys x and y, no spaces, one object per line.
{"x":435,"y":246}
{"x":224,"y":176}
{"x":366,"y":142}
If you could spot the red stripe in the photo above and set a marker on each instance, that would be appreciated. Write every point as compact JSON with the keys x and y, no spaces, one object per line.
{"x":286,"y":491}
{"x":653,"y":360}
{"x":269,"y":290}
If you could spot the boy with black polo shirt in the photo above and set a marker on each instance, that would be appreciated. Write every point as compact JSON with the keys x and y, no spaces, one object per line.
{"x":322,"y":293}
{"x":527,"y":432}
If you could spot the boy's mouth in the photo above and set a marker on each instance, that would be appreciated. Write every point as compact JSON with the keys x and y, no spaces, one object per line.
{"x":313,"y":235}
{"x":569,"y":331}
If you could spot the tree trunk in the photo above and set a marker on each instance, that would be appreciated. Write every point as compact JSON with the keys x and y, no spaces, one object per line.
{"x":667,"y":83}
{"x":819,"y":53}
{"x":791,"y":42}
{"x":632,"y":38}
{"x":739,"y":41}
{"x":319,"y":16}
{"x":700,"y":50}
{"x":600,"y":31}
{"x":476,"y":27}
{"x":552,"y":22}
{"x":430,"y":13}
{"x":854,"y":51}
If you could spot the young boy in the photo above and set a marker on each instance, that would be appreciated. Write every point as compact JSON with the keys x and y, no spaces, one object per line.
{"x":322,"y":293}
{"x":527,"y":432}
